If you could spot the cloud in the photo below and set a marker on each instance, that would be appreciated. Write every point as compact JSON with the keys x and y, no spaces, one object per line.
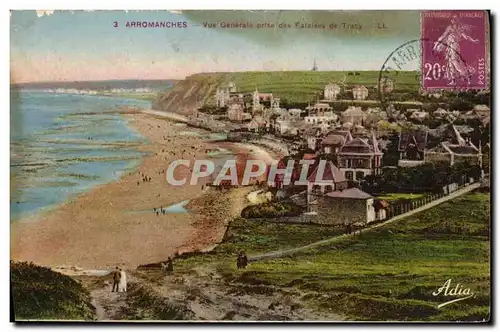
{"x":42,"y":12}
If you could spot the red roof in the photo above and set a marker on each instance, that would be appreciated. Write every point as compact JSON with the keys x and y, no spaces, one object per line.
{"x":331,"y":173}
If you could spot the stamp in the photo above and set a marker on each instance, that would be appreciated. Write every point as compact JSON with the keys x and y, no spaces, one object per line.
{"x":454,"y":48}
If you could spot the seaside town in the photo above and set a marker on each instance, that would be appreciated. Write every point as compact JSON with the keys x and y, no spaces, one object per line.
{"x":371,"y":165}
{"x":415,"y":149}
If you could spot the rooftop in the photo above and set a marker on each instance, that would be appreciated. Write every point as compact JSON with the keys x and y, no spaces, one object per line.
{"x":353,"y":111}
{"x":352,"y":193}
{"x":419,"y":138}
{"x":331,"y":173}
{"x":359,"y":145}
{"x":334,"y":139}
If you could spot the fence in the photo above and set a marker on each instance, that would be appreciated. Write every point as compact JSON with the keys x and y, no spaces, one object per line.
{"x":408,"y":205}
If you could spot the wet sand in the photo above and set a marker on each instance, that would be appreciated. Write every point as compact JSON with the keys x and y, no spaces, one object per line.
{"x":104,"y":227}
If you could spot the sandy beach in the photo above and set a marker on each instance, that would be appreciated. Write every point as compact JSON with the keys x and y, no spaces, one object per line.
{"x":115,"y":223}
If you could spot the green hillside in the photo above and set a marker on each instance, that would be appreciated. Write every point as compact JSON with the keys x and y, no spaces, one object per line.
{"x":290,"y":86}
{"x":389,"y":273}
{"x":42,"y":294}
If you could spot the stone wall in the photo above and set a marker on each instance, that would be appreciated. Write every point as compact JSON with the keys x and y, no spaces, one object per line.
{"x":340,"y":210}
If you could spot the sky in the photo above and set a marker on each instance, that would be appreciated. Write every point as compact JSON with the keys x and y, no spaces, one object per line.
{"x":85,"y":45}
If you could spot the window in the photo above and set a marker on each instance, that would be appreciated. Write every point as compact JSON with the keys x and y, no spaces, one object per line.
{"x":360,"y":175}
{"x":349,"y":175}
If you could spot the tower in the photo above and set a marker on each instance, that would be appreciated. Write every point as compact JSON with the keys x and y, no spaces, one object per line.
{"x":315,"y":67}
{"x":256,"y":100}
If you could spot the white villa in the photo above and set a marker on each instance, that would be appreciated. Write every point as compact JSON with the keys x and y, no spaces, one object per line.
{"x":359,"y":92}
{"x":331,"y":92}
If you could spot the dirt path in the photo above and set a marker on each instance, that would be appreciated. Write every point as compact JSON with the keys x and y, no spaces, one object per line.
{"x":281,"y":253}
{"x":202,"y":294}
{"x":109,"y":305}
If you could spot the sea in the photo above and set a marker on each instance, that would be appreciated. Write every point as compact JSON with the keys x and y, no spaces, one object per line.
{"x":64,"y":144}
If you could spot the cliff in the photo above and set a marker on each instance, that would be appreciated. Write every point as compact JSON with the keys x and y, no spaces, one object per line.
{"x":290,"y":86}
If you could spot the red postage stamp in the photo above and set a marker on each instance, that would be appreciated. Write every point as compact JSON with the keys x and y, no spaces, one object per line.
{"x":454,"y":48}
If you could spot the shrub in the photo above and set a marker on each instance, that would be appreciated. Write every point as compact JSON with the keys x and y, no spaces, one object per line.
{"x":271,"y":210}
{"x":40,"y":293}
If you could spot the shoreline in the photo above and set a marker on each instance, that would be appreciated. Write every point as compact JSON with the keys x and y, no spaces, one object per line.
{"x":95,"y":229}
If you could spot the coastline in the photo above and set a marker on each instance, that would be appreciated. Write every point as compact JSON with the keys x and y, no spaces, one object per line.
{"x":114,"y":223}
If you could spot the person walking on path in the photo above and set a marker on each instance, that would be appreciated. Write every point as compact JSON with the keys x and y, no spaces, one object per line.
{"x":122,"y":286}
{"x":170,"y":266}
{"x":116,"y":279}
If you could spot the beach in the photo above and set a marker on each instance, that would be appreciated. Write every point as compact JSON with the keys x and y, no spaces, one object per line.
{"x":115,"y":223}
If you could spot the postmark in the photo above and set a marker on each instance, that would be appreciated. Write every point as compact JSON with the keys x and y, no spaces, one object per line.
{"x":454,"y":48}
{"x":400,"y":69}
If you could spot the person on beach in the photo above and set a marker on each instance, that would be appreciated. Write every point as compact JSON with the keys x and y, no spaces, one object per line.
{"x":116,"y":279}
{"x":122,"y":286}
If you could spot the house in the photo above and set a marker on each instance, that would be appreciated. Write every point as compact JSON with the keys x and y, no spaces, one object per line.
{"x":360,"y":157}
{"x":347,"y":206}
{"x":359,"y":92}
{"x":331,"y":92}
{"x":259,"y":99}
{"x":332,"y":143}
{"x":321,"y":117}
{"x":235,"y":112}
{"x":257,"y":124}
{"x":222,"y":96}
{"x":451,"y":154}
{"x":325,"y":178}
{"x":312,"y":136}
{"x":447,"y":132}
{"x":283,"y":126}
{"x":354,"y":115}
{"x":235,"y":98}
{"x":318,"y":107}
{"x":335,"y":139}
{"x":440,"y":113}
{"x":386,"y":84}
{"x":411,"y":148}
{"x":455,"y":149}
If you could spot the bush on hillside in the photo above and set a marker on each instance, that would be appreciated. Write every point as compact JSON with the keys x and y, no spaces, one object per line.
{"x":40,"y":293}
{"x":271,"y":210}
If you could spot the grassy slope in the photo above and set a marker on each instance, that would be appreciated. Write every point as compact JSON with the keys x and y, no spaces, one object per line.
{"x":387,"y":274}
{"x":42,"y":294}
{"x":298,"y":86}
{"x":293,"y":86}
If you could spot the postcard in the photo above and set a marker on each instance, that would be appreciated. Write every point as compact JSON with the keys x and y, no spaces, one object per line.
{"x":250,"y":166}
